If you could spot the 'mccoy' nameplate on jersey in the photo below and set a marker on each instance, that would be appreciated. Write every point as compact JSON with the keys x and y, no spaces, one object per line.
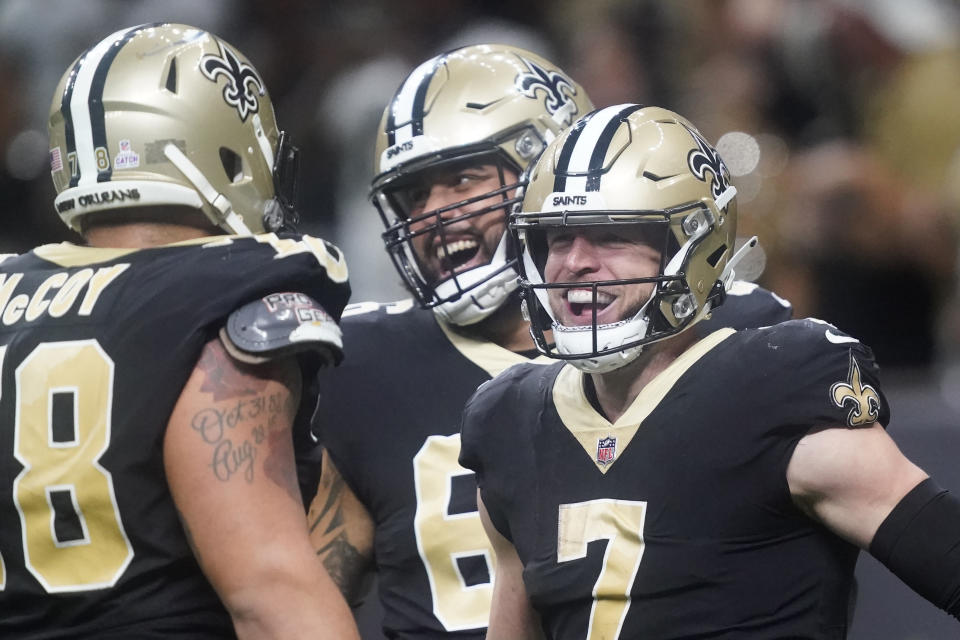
{"x":56,"y":295}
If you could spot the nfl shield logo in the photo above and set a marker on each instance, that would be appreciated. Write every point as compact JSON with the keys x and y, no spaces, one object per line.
{"x":127,"y":158}
{"x":606,"y":450}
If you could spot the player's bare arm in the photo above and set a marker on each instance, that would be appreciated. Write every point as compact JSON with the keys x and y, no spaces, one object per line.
{"x":512,"y":617}
{"x":341,"y":531}
{"x":850,"y":479}
{"x":229,"y":460}
{"x":859,"y":484}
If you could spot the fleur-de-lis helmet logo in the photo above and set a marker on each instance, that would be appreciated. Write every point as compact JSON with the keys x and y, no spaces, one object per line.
{"x":705,"y":159}
{"x":864,"y":401}
{"x":558,"y":88}
{"x":243,"y":84}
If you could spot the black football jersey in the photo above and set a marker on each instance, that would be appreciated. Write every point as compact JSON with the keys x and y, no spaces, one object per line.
{"x":389,"y":417}
{"x":95,"y":348}
{"x":678,"y":516}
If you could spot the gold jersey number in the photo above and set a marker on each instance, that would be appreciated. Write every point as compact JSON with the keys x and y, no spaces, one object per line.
{"x":62,"y":479}
{"x":620,"y":523}
{"x":443,"y":538}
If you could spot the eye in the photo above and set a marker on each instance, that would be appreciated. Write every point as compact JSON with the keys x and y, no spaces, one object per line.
{"x":613,"y":240}
{"x":468,"y":178}
{"x":415,"y":198}
{"x":419,"y":195}
{"x":558,"y":239}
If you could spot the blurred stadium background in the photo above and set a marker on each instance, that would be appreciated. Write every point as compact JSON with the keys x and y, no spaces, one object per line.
{"x":839,"y":118}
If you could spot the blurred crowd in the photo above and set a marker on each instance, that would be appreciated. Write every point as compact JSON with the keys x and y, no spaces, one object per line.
{"x":838,"y":119}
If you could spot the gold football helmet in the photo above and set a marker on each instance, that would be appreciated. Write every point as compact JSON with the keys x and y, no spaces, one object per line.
{"x":168,"y":114}
{"x":640,"y":172}
{"x":485,"y":104}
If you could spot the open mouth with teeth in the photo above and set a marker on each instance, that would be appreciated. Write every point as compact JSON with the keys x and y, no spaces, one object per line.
{"x":456,"y":254}
{"x":581,"y":304}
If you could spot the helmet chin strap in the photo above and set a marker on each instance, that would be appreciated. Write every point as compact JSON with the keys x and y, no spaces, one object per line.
{"x":729,"y":271}
{"x":228,"y":219}
{"x":485,"y":289}
{"x":575,"y":340}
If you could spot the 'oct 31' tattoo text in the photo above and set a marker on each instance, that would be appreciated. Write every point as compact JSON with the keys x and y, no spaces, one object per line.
{"x":232,"y":456}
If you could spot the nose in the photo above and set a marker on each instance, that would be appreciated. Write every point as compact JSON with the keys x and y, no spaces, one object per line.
{"x":581,"y":256}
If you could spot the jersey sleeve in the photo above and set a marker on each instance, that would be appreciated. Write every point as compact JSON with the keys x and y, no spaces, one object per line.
{"x":226,"y":273}
{"x":821,"y":377}
{"x":494,"y":422}
{"x":472,"y":424}
{"x":293,"y":263}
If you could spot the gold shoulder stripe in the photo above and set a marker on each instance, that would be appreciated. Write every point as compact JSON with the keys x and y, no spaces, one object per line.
{"x":206,"y":241}
{"x":67,"y":254}
{"x":490,"y":357}
{"x":593,"y":431}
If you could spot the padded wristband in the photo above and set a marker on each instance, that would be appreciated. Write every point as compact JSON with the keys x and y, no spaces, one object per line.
{"x":919,"y":541}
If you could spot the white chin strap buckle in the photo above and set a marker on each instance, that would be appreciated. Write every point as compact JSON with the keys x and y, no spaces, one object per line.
{"x":729,"y":271}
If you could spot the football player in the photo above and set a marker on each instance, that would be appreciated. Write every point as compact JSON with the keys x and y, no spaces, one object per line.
{"x":662,"y":483}
{"x":452,"y":145}
{"x":153,"y":377}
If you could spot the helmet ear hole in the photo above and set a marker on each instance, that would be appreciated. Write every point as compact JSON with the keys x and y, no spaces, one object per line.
{"x":232,"y":164}
{"x":714,"y":258}
{"x":171,"y":82}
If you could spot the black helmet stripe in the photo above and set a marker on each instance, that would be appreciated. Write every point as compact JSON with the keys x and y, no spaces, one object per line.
{"x":563,"y":161}
{"x":603,"y":144}
{"x":68,"y":119}
{"x":95,"y":101}
{"x":581,"y":159}
{"x":84,"y":114}
{"x":405,"y":119}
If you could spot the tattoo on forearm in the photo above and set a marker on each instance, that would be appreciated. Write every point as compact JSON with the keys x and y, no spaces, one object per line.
{"x":231,"y":455}
{"x":229,"y":460}
{"x":211,"y":423}
{"x":330,"y":516}
{"x":346,"y":567}
{"x":234,"y":455}
{"x":343,"y":561}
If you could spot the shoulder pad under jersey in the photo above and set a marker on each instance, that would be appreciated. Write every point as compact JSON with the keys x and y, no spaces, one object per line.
{"x":282,"y":324}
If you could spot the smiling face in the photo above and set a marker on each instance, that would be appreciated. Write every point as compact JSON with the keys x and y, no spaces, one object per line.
{"x":452,"y":231}
{"x":594,"y":254}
